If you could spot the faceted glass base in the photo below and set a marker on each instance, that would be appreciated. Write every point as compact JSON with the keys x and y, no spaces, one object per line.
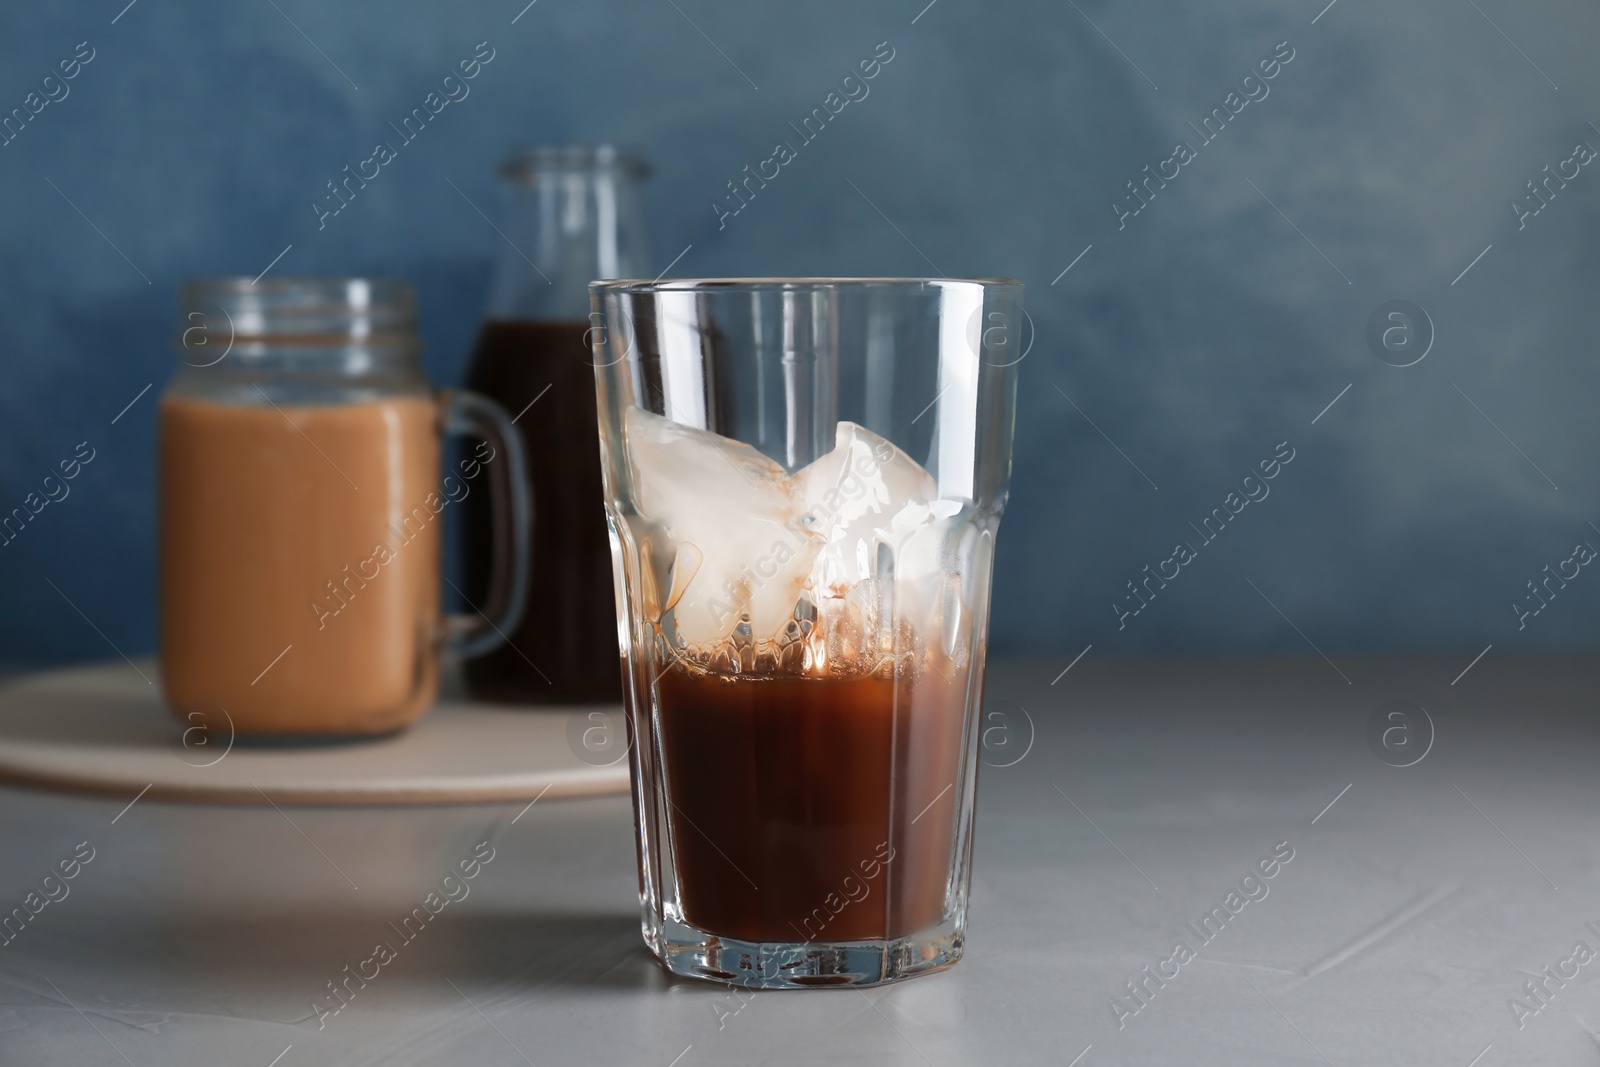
{"x":694,"y":953}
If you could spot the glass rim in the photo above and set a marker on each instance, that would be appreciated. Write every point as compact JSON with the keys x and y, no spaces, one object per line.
{"x":642,"y":285}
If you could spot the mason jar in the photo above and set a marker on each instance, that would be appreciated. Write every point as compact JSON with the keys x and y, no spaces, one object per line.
{"x":302,"y":505}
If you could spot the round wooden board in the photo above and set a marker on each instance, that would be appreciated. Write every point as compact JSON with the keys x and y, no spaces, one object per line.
{"x":103,"y":729}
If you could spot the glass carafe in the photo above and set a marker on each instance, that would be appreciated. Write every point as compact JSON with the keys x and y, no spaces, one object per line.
{"x":574,"y":218}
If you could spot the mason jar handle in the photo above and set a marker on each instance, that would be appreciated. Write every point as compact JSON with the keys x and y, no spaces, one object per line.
{"x":491,"y":623}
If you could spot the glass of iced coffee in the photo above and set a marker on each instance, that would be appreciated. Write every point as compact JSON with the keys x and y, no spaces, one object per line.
{"x":804,"y":478}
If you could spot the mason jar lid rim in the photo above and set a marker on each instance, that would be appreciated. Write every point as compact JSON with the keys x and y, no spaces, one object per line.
{"x":385,"y":290}
{"x":682,"y":284}
{"x":523,"y":161}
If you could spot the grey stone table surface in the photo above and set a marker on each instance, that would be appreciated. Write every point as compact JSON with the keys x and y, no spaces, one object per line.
{"x":1432,"y":914}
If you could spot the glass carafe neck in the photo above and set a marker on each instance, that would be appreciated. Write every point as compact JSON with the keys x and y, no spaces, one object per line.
{"x":574,"y":218}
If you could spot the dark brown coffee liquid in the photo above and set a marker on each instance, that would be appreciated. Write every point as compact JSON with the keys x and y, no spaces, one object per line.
{"x":811,"y":809}
{"x":565,"y":649}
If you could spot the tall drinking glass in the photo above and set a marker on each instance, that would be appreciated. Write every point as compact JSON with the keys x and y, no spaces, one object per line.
{"x":803,"y":482}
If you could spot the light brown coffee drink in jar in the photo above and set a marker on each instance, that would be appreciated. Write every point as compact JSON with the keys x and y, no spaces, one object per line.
{"x":302,"y":509}
{"x":300,"y":563}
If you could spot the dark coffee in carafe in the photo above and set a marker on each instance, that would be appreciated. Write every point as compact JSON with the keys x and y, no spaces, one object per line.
{"x":574,"y":218}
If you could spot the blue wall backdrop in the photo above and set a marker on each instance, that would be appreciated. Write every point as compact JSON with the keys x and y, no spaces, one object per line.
{"x":1186,"y":342}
